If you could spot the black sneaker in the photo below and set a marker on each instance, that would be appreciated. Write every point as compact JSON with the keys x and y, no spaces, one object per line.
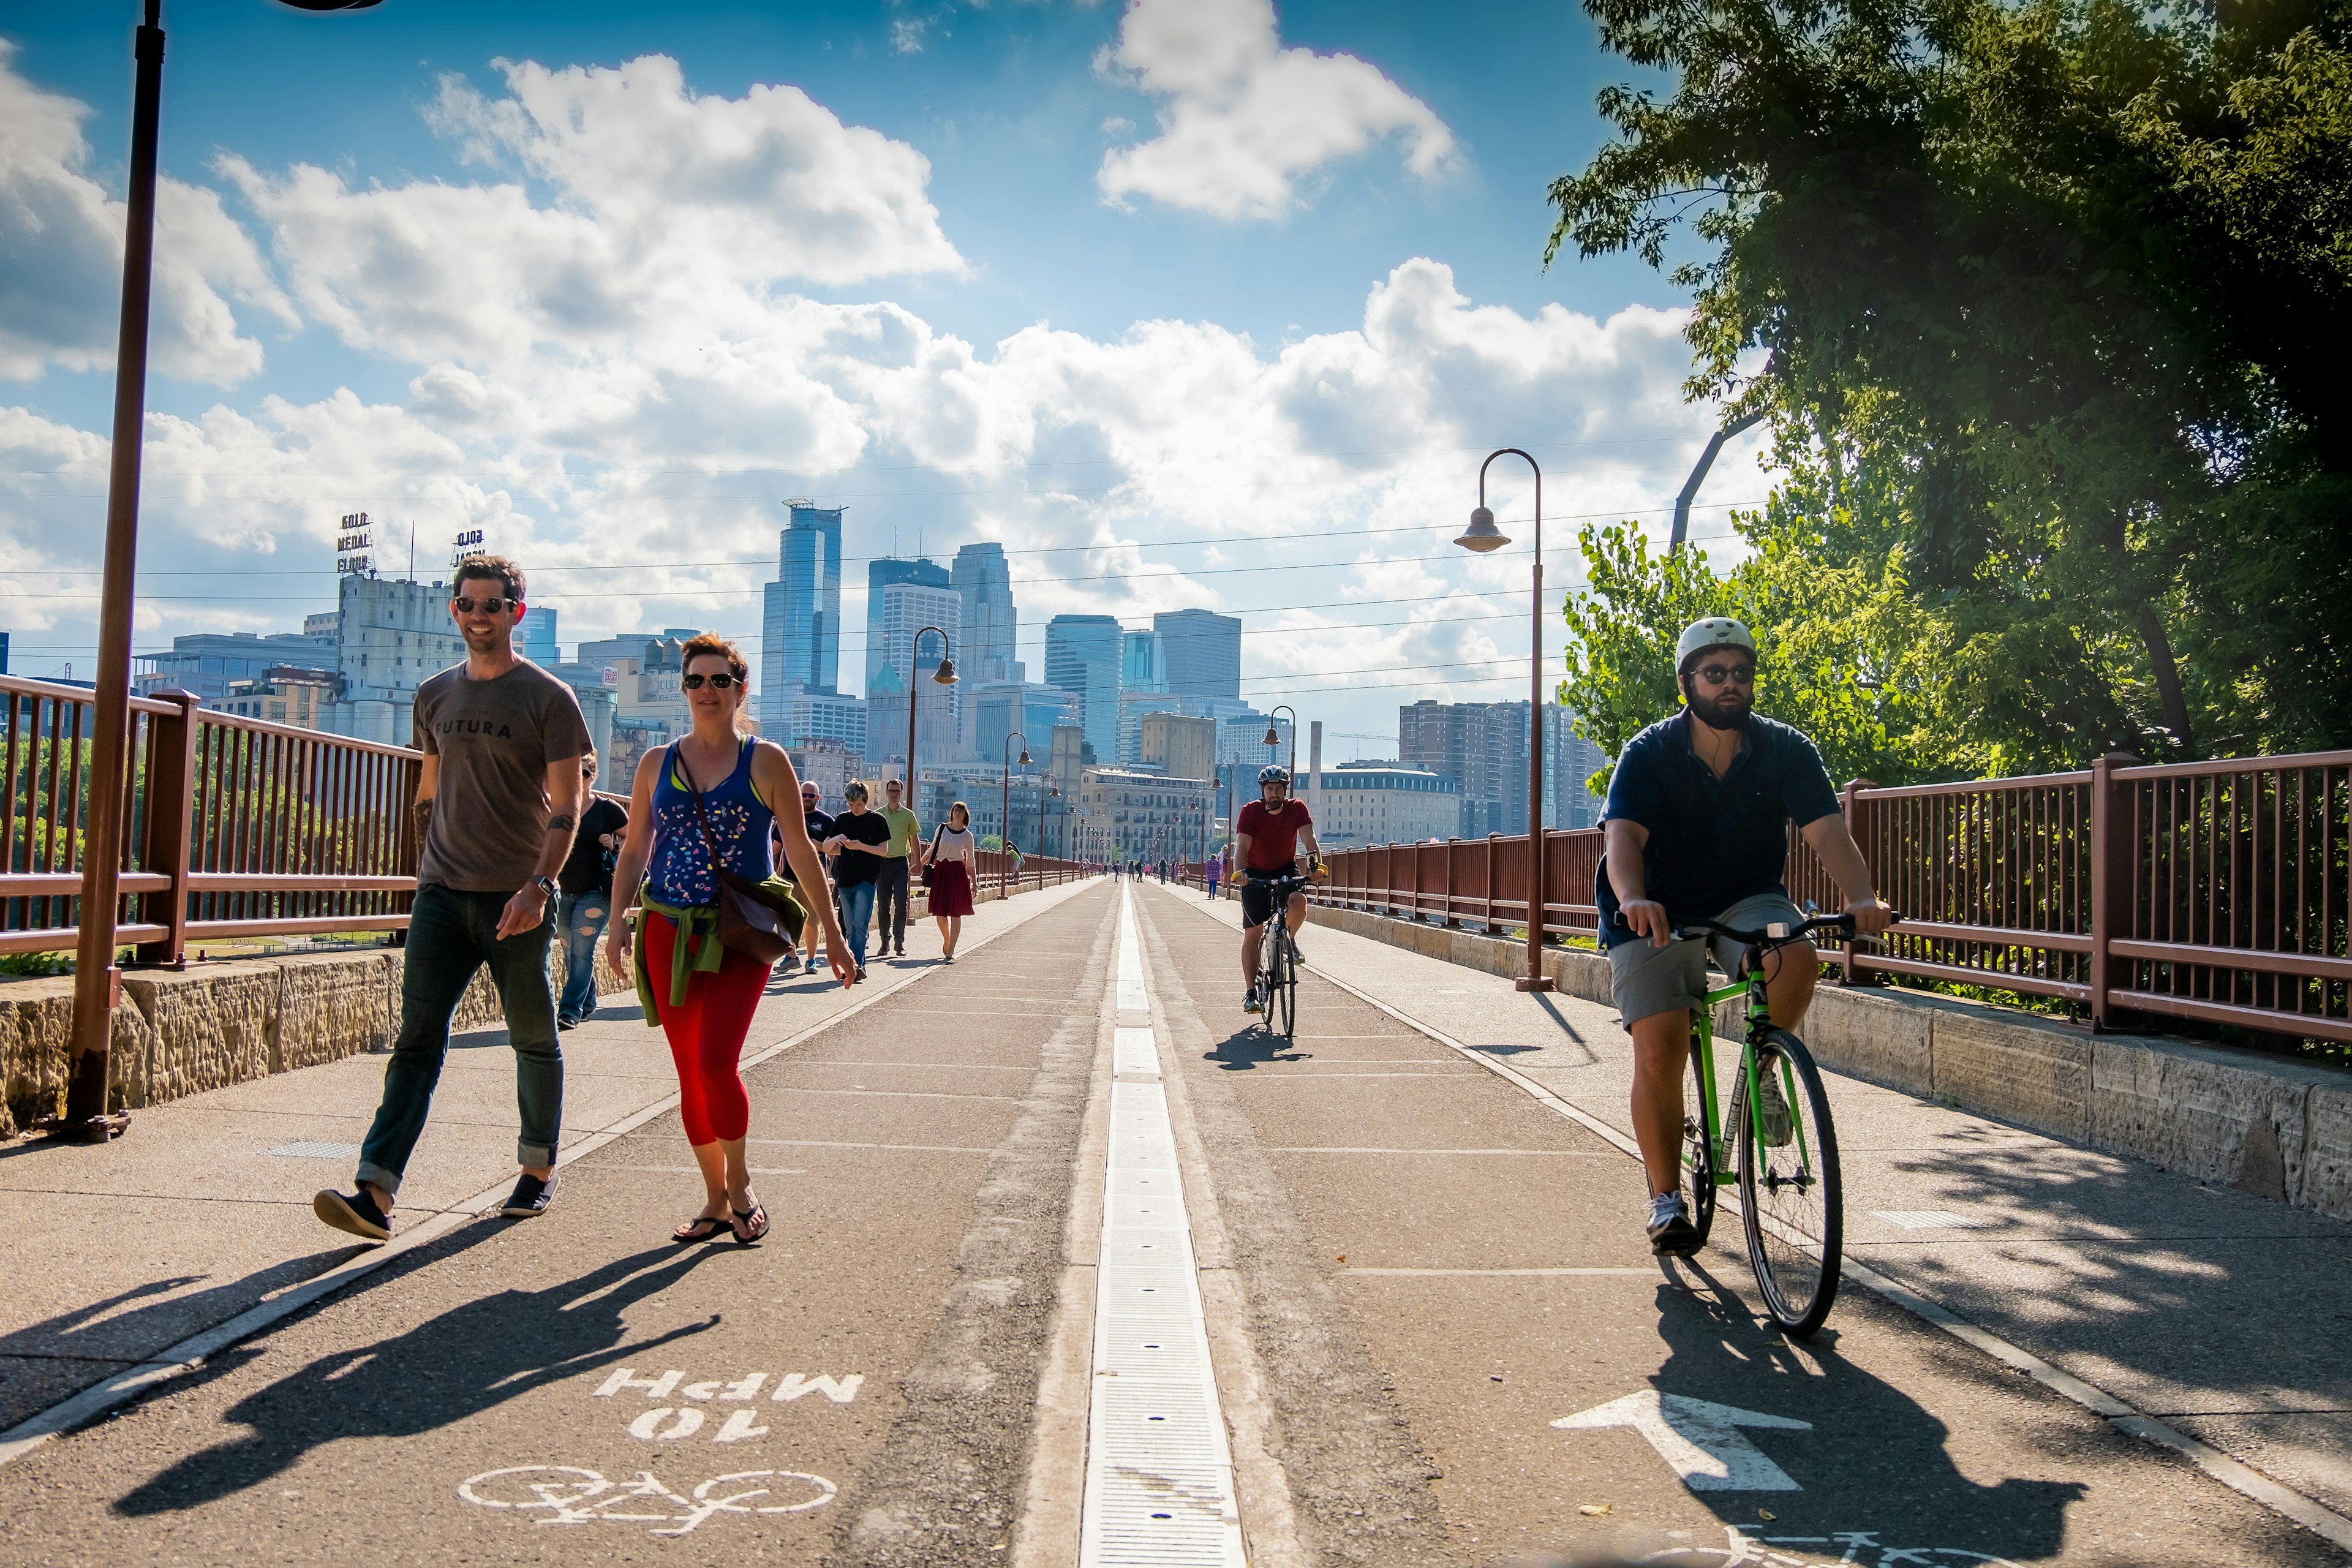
{"x":1672,"y":1234}
{"x":529,"y":1199}
{"x":354,"y":1212}
{"x":565,"y":1026}
{"x":1249,"y":1001}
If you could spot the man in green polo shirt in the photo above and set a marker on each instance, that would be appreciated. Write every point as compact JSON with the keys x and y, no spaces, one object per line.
{"x":891,"y":891}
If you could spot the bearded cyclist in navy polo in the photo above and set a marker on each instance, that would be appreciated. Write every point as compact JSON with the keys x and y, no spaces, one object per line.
{"x":1268,"y":837}
{"x":1696,"y":827}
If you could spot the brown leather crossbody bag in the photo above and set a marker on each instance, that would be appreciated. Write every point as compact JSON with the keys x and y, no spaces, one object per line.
{"x":761,"y":921}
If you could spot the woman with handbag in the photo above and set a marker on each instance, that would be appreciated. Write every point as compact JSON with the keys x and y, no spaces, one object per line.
{"x":947,"y":871}
{"x":714,"y":917}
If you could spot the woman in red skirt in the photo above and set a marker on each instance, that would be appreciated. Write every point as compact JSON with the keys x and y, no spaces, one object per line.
{"x":950,"y":857}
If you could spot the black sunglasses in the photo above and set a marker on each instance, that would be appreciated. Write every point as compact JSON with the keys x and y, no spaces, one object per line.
{"x":467,"y":607}
{"x":722,"y":681}
{"x":1717,"y":674}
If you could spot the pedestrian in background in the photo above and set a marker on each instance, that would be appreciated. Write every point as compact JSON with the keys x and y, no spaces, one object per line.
{"x":497,"y":799}
{"x":949,"y":858}
{"x":586,"y":901}
{"x":892,"y":889}
{"x":860,"y":843}
{"x":819,"y":828}
{"x":1214,"y":873}
{"x":706,"y":799}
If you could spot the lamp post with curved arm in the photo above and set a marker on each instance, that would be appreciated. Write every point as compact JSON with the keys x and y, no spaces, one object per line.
{"x":944,"y":676}
{"x":1483,"y":536}
{"x":1004,"y":812}
{"x":1274,"y":738}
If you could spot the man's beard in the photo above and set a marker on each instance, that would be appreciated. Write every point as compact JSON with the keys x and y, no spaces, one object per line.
{"x":1729,"y":711}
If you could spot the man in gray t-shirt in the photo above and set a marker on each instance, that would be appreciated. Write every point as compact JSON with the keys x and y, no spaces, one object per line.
{"x":496,"y":805}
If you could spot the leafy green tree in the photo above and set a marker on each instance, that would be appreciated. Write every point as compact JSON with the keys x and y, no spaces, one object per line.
{"x":2046,"y":299}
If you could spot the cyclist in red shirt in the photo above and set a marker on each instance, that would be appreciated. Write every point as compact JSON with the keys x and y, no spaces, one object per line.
{"x":1267,"y":838}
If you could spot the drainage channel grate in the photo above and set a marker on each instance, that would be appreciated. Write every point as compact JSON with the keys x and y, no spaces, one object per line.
{"x":306,"y":1150}
{"x":1930,"y":1219}
{"x":1159,"y":1478}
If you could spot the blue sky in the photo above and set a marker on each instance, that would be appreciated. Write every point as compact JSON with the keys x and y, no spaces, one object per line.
{"x":1079,"y":278}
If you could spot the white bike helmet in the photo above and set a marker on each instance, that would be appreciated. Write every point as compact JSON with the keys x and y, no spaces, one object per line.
{"x":1716,"y":631}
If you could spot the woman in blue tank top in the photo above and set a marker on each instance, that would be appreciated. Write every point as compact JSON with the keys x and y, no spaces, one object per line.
{"x":702,"y":996}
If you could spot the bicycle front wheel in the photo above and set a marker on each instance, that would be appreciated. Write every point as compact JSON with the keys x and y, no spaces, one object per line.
{"x":1790,"y":1202}
{"x":1282,"y":1003}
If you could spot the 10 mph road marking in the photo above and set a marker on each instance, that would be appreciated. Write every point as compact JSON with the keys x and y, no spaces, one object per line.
{"x":1159,"y":1479}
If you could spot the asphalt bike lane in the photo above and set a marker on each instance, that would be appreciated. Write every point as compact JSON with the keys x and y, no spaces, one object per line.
{"x":859,"y":1387}
{"x":1470,"y":1356}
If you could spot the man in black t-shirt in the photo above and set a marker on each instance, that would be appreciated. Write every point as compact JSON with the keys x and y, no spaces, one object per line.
{"x":585,"y":899}
{"x":1697,"y":828}
{"x":860,"y":843}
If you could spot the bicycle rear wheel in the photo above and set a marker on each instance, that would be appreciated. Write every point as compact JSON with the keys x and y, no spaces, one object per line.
{"x":1698,"y":1155}
{"x":1790,"y":1202}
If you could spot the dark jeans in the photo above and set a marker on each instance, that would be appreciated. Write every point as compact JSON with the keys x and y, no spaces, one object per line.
{"x":450,"y":936}
{"x":581,"y":924}
{"x":890,"y":894}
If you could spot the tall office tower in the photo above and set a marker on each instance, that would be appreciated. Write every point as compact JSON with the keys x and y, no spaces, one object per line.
{"x":535,"y":634}
{"x":1142,"y":662}
{"x":800,"y":627}
{"x":901,"y":598}
{"x":1483,"y":746}
{"x":1203,"y":651}
{"x":1082,"y":656}
{"x":990,"y":625}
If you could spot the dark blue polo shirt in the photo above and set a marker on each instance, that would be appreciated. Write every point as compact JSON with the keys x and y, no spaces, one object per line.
{"x":1713,"y":842}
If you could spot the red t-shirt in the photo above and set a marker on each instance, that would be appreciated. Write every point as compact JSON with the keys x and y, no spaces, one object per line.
{"x":1274,"y":837}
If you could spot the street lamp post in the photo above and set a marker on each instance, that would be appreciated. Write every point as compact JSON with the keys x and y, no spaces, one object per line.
{"x":1004,"y":812}
{"x":1274,"y":738}
{"x":1482,"y":537}
{"x":945,"y":676}
{"x":97,"y":982}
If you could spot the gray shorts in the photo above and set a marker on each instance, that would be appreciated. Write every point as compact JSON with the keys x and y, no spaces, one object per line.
{"x":1645,"y":979}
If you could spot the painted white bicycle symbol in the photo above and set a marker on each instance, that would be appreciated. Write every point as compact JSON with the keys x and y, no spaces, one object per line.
{"x":1860,"y":1548}
{"x":571,"y":1495}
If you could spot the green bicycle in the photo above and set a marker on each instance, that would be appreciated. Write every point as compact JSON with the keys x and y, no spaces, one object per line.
{"x":1785,"y":1161}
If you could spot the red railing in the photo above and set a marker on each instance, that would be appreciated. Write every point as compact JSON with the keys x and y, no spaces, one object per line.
{"x":1034,"y":870}
{"x":233,"y":826}
{"x":2217,"y":891}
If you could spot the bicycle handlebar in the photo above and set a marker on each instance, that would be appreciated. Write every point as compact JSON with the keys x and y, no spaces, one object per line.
{"x":1840,"y":923}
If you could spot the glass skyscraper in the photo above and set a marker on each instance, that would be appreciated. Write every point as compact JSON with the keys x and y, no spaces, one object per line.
{"x":801,"y":629}
{"x":990,"y":625}
{"x":1204,"y":652}
{"x":1082,"y":656}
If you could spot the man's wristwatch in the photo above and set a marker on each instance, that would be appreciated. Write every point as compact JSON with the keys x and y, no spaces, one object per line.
{"x":545,"y":885}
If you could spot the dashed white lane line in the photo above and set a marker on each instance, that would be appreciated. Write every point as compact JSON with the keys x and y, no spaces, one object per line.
{"x":1160,"y":1477}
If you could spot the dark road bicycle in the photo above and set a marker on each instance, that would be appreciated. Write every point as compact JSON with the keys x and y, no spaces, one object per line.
{"x":1777,"y":1142}
{"x":1277,"y":960}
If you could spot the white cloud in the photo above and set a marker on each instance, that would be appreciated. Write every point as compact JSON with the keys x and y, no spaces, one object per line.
{"x":673,"y":213}
{"x":1247,"y":118}
{"x":907,"y":35}
{"x":61,"y":288}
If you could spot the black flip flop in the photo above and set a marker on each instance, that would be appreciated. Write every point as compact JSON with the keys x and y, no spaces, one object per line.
{"x":755,"y":1220}
{"x":700,"y":1228}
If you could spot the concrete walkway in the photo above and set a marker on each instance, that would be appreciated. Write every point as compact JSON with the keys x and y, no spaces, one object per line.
{"x":2223,"y":1315}
{"x":202,"y":1212}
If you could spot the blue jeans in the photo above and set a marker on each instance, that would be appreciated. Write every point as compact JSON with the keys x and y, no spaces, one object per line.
{"x":582,"y":920}
{"x":857,"y":908}
{"x":450,"y":936}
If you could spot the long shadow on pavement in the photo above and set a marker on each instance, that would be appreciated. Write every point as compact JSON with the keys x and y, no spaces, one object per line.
{"x":1252,"y":1047}
{"x":1875,"y":1463}
{"x":470,"y":1359}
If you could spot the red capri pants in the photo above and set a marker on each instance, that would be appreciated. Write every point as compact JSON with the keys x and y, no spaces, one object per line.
{"x":706,"y":1035}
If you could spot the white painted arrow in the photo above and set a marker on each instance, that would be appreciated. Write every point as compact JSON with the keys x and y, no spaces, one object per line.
{"x":1698,"y":1437}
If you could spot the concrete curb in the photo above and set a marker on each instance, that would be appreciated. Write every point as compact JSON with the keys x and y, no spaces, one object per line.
{"x":2270,"y":1126}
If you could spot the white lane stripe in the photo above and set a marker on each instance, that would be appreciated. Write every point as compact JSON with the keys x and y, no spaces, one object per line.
{"x":1160,"y":1477}
{"x":2237,"y":1476}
